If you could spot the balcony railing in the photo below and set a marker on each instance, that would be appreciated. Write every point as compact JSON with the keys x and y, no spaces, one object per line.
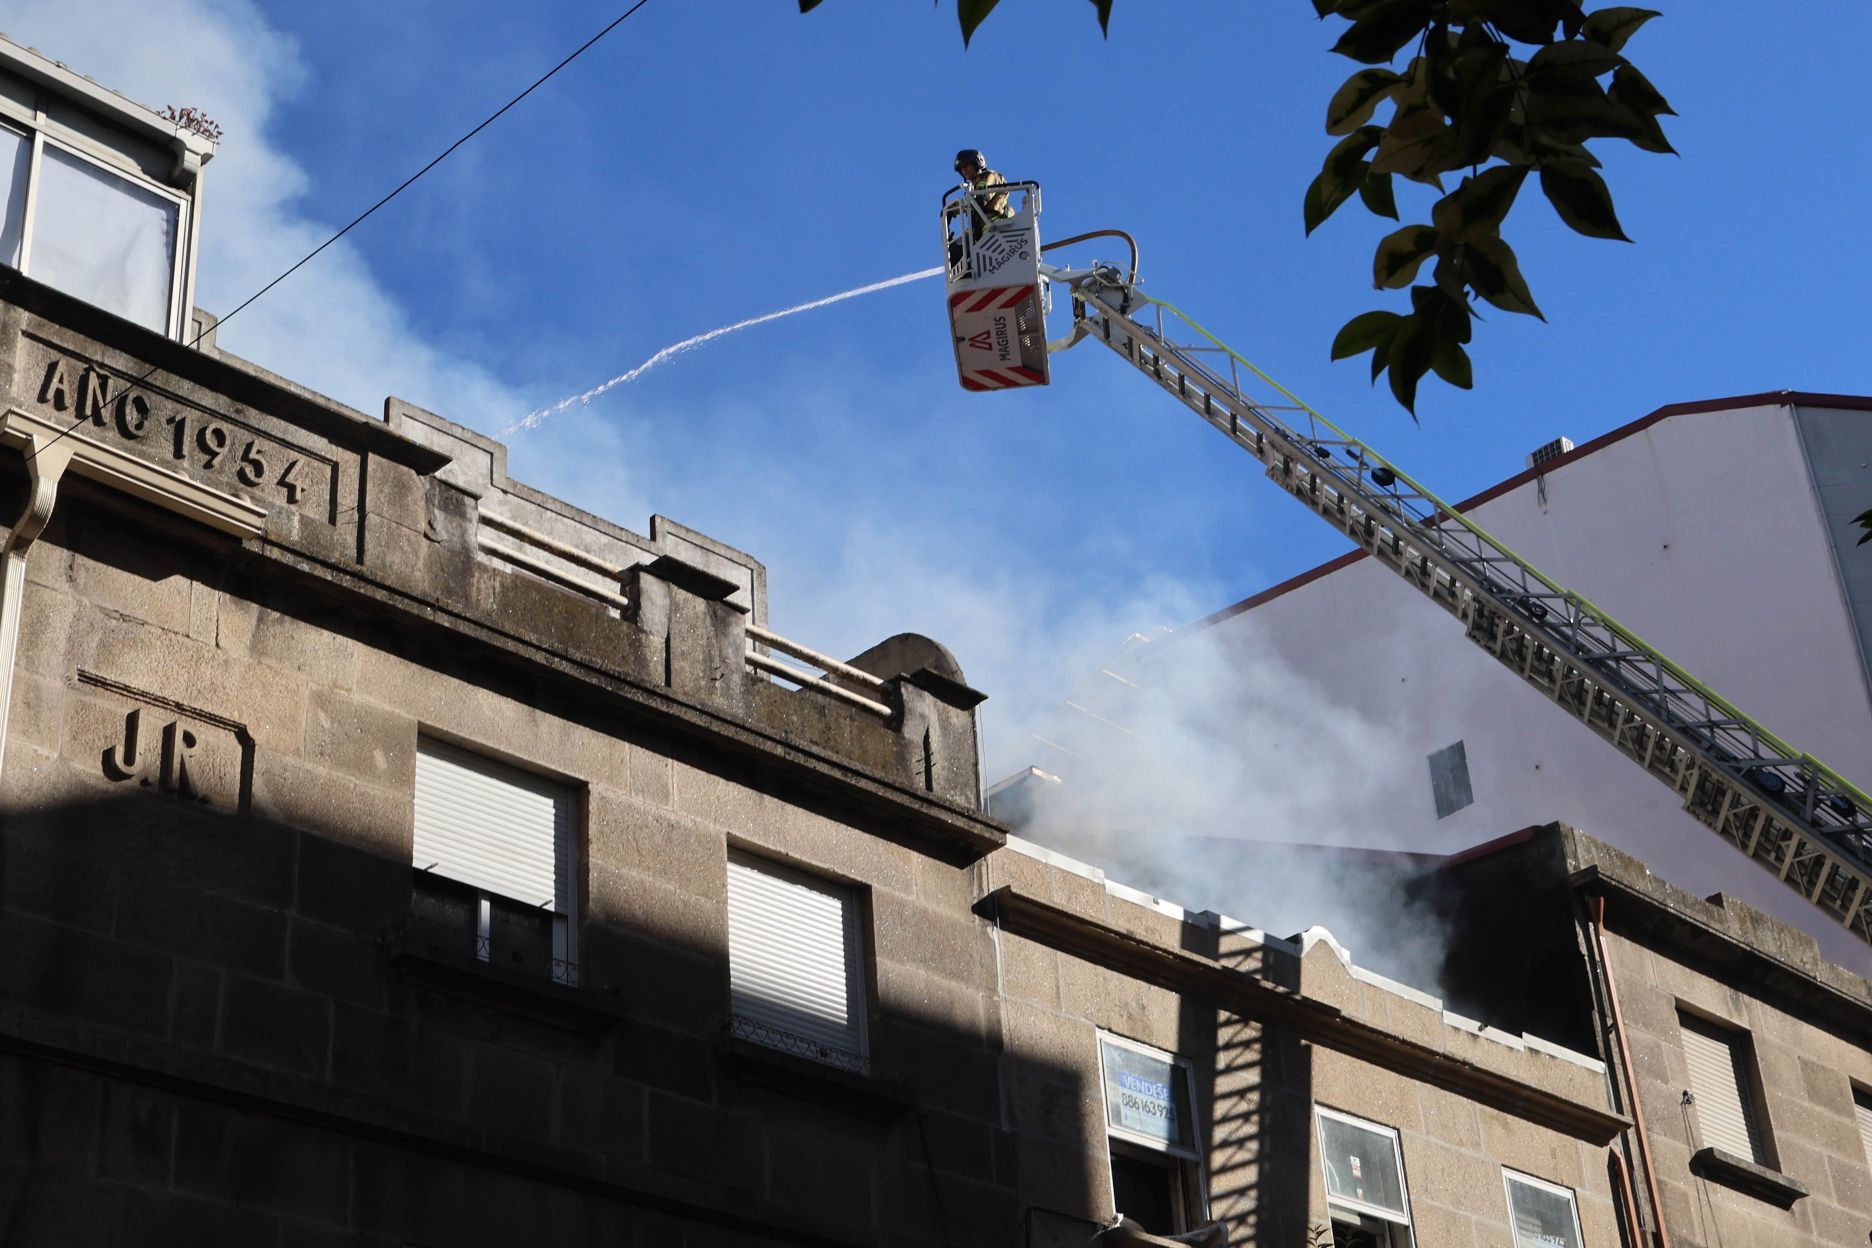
{"x":840,"y":681}
{"x":469,"y":924}
{"x":770,"y":1037}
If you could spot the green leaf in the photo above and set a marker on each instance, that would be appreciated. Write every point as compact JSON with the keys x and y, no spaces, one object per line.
{"x":1576,"y":60}
{"x":1367,"y":331}
{"x":1580,"y":197}
{"x":1388,"y":26}
{"x":1575,"y":116}
{"x":1448,"y":275}
{"x":1325,"y":8}
{"x":1490,"y":265}
{"x":1342,"y":173}
{"x":1481,"y":203}
{"x":1349,"y":153}
{"x":972,"y":13}
{"x":1451,"y":363}
{"x":1353,"y":103}
{"x":1323,"y":197}
{"x":1543,"y":147}
{"x":1612,"y":27}
{"x":1486,"y":102}
{"x":1533,"y":21}
{"x":1481,"y":124}
{"x":1410,"y":143}
{"x":1408,"y":360}
{"x":1376,"y":193}
{"x":1864,"y":521}
{"x":1651,"y":137}
{"x":807,"y":6}
{"x":1104,"y":15}
{"x":1634,"y":91}
{"x":1629,"y":90}
{"x":1399,"y":255}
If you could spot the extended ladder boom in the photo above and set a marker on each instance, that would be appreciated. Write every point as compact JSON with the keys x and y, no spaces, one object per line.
{"x":1794,"y":816}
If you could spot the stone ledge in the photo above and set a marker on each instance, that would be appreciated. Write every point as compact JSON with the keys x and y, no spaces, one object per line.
{"x":1720,"y":1166}
{"x":1311,"y":1019}
{"x":869,"y":1096}
{"x":803,"y":762}
{"x":446,"y":970}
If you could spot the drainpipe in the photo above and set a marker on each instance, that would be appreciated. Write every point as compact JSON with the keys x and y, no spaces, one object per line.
{"x":1628,"y":1208}
{"x":1631,"y":1084}
{"x":46,"y":462}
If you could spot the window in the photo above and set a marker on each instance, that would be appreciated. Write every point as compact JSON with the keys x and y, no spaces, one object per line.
{"x":1156,"y":1167}
{"x":1449,"y":780}
{"x":15,"y":162}
{"x":795,"y":963}
{"x":1365,"y":1193}
{"x":1543,"y":1214}
{"x":1862,"y":1110}
{"x":1723,"y":1087}
{"x":74,"y":223}
{"x":493,"y":856}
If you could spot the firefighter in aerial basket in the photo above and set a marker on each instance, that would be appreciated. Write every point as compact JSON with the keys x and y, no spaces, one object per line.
{"x":972,"y":167}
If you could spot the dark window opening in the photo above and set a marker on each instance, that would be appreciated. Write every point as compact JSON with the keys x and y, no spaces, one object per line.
{"x":1449,"y":780}
{"x":1144,"y":1189}
{"x":460,"y":918}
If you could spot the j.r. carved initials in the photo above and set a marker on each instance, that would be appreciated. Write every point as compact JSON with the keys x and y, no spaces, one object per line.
{"x":129,"y":759}
{"x":186,"y":753}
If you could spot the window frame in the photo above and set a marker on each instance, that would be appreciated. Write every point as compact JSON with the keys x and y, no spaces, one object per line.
{"x":1749,"y":1090}
{"x":567,"y":858}
{"x":1188,"y":1167}
{"x":35,"y":133}
{"x":1359,"y":1208}
{"x":1510,"y":1177}
{"x":1862,"y":1118}
{"x":860,"y":991}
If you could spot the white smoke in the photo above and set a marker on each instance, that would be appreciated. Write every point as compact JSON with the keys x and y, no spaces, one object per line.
{"x":1207,"y":772}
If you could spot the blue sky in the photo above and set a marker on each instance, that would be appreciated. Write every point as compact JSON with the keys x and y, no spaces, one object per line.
{"x":710,"y":162}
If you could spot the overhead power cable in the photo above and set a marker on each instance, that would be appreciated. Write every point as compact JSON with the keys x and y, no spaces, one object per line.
{"x":358,"y":220}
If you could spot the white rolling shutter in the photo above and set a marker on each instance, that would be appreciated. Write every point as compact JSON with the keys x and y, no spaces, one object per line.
{"x":1862,"y":1109}
{"x":492,"y":826}
{"x":1719,"y":1078}
{"x":793,"y":955}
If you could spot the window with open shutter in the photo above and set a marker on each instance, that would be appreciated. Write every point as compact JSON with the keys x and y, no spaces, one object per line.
{"x":493,"y":853}
{"x":1720,"y":1081}
{"x":795,"y":962}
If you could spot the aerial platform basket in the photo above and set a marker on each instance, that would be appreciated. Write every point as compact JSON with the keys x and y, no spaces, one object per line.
{"x":997,"y":296}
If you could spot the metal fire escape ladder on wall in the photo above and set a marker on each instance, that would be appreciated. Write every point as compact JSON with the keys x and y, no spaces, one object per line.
{"x":1790,"y":813}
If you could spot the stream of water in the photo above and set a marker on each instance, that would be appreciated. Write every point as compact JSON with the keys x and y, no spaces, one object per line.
{"x":534,"y":419}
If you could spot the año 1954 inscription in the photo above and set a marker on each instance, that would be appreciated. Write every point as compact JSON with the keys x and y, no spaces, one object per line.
{"x":186,"y":436}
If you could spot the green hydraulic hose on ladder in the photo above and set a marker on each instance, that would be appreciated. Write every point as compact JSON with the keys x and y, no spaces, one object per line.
{"x":1789,"y":812}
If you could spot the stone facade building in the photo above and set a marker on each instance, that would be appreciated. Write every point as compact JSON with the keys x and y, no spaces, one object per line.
{"x":391,"y":854}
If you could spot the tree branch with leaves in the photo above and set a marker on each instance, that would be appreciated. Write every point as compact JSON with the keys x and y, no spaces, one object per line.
{"x":1501,"y":89}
